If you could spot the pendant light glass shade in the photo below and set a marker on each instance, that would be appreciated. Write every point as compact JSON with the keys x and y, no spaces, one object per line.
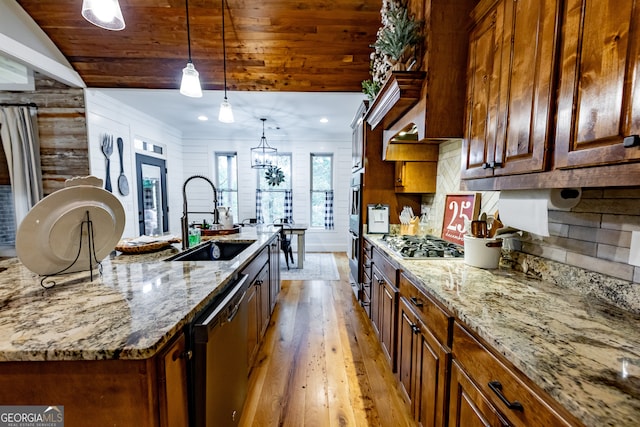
{"x":190,"y":85}
{"x":226,"y":113}
{"x":263,"y":155}
{"x":103,"y":13}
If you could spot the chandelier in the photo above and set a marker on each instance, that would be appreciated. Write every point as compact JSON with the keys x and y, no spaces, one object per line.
{"x":263,"y":156}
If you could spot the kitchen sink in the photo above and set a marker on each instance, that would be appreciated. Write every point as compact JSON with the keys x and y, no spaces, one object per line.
{"x":212,"y":251}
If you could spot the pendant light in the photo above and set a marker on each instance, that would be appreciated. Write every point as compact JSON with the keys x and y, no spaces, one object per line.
{"x":263,"y":155}
{"x":226,"y":114}
{"x":190,"y":85}
{"x":103,"y":13}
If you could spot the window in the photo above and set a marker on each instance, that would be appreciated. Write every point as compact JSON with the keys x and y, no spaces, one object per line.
{"x":275,"y":201}
{"x":322,"y":190}
{"x":227,"y":180}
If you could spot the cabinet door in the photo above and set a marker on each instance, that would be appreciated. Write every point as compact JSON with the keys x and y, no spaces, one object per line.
{"x":467,"y":405}
{"x":274,"y":274}
{"x":599,"y":98}
{"x":526,"y":89}
{"x":388,"y":305}
{"x":415,"y":177}
{"x":377,"y":282}
{"x":262,"y":282}
{"x":423,"y":368}
{"x":252,"y":300}
{"x":174,"y":410}
{"x":483,"y":85}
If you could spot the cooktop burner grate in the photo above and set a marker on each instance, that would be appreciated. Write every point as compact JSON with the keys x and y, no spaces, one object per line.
{"x":422,"y":247}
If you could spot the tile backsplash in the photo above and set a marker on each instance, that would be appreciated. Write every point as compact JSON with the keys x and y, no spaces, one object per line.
{"x":594,"y":236}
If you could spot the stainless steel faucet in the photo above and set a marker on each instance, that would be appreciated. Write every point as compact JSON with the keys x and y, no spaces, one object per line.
{"x":185,"y":211}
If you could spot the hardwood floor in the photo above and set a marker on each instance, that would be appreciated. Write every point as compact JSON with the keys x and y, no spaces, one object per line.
{"x":320,"y":363}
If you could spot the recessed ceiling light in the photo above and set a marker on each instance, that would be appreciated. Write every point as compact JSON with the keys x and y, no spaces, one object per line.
{"x":324,"y":120}
{"x":203,"y":118}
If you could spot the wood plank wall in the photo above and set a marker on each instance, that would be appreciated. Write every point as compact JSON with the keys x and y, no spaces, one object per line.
{"x":62,"y":128}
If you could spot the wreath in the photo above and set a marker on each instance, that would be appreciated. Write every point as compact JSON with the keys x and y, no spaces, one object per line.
{"x":274,"y":176}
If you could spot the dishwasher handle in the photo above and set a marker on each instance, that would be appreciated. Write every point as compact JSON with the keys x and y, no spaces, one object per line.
{"x":204,"y":324}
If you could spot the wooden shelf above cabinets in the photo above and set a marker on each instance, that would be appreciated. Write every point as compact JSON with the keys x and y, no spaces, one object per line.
{"x":400,"y":92}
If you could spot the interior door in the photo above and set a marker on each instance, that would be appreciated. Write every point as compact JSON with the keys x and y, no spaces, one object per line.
{"x":151,"y":173}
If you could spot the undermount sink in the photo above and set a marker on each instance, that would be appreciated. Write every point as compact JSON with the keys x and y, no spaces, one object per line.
{"x":212,"y":251}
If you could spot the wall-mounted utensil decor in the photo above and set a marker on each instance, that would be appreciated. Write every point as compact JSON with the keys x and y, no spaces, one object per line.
{"x":123,"y":184}
{"x":107,"y":150}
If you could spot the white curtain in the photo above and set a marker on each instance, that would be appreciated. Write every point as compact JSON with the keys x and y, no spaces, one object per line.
{"x":19,"y":135}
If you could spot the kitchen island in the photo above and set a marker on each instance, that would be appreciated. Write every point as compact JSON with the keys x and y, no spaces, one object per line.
{"x":582,"y":351}
{"x":89,"y":345}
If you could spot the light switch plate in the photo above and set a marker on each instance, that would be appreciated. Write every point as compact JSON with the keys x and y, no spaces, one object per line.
{"x":634,"y":250}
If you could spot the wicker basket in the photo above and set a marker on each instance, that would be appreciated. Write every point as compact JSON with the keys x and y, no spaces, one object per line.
{"x":126,"y":248}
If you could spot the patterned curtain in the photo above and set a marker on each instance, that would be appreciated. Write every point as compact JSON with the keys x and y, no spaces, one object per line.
{"x":328,"y":210}
{"x":288,"y":206}
{"x":259,"y":217}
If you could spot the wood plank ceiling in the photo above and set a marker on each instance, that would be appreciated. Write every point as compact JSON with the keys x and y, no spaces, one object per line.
{"x":272,"y":45}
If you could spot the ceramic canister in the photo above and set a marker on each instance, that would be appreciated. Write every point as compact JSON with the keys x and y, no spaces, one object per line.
{"x":482,"y":252}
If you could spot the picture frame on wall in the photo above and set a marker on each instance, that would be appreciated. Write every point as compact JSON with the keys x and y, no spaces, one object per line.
{"x":459,"y":211}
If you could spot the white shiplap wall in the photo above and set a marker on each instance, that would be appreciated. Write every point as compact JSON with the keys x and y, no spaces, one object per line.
{"x":107,"y":115}
{"x":198,"y":159}
{"x":187,"y":157}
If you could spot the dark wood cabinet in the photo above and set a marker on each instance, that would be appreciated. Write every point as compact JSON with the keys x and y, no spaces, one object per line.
{"x":467,"y":405}
{"x":423,"y":368}
{"x":483,"y":84}
{"x":384,"y":303}
{"x":172,"y":375}
{"x":599,"y":93}
{"x":423,"y":358}
{"x":274,"y":273}
{"x":366,"y":287}
{"x":264,"y":285}
{"x":487,"y":387}
{"x":510,"y":87}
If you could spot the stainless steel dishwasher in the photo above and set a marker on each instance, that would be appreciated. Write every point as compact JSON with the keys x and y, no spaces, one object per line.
{"x":219,"y":370}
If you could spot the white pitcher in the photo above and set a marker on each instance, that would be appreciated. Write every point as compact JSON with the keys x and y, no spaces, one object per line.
{"x":225,"y":217}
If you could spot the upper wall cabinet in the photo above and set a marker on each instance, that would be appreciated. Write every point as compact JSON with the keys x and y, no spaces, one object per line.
{"x":510,"y":87}
{"x":599,"y":94}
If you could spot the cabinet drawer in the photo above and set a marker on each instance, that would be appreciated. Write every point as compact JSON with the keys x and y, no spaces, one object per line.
{"x":385,"y":266}
{"x":495,"y":379}
{"x":438,"y":320}
{"x":367,"y":246}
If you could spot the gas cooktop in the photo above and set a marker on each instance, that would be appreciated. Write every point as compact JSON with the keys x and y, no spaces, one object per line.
{"x":422,"y":247}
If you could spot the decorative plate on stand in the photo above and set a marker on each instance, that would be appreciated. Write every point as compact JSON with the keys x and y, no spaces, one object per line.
{"x":54,"y":236}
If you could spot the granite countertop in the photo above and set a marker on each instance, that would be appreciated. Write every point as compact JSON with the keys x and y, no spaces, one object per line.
{"x":581,"y":350}
{"x":129,"y":312}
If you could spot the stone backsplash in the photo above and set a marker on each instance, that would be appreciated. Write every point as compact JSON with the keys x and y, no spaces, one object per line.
{"x":588,"y":246}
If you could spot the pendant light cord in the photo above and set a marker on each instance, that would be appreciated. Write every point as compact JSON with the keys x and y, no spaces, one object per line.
{"x":188,"y":29}
{"x":224,"y":55}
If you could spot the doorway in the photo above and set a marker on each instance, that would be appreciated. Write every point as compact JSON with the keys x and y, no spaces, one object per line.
{"x":151,"y":173}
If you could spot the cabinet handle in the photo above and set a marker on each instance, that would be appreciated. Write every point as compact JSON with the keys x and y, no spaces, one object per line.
{"x":496,"y":387}
{"x":416,"y":302}
{"x":485,"y":165}
{"x":631,"y":141}
{"x":494,"y":165}
{"x":182,"y":355}
{"x":415,"y":328}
